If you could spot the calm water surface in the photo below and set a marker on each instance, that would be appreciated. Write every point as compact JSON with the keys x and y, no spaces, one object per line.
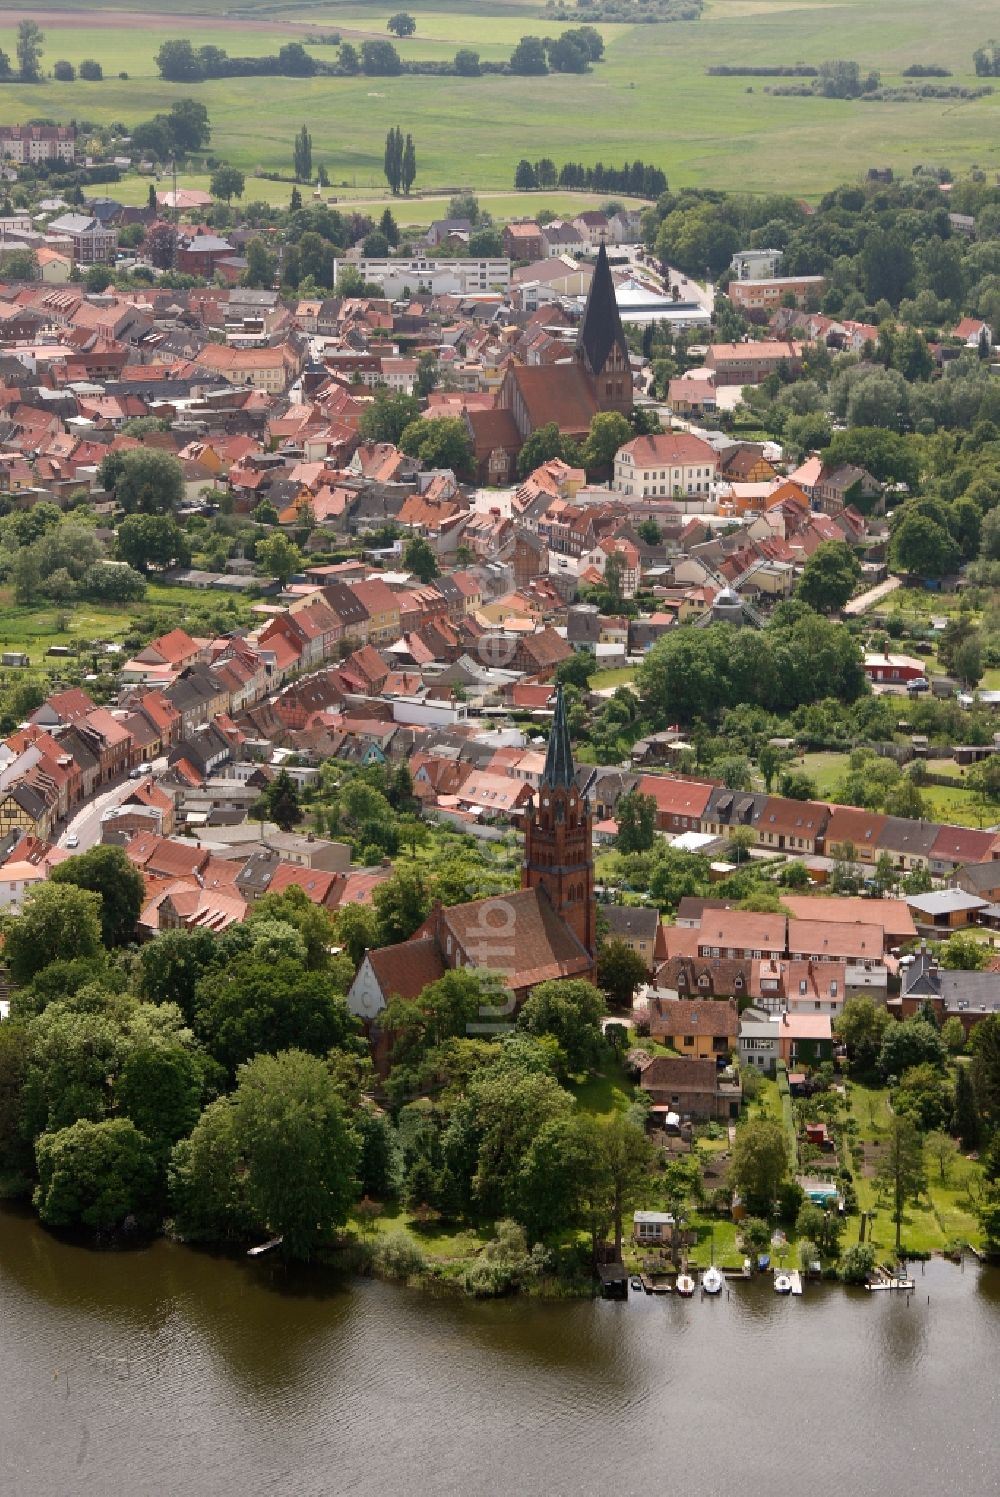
{"x":168,"y":1371}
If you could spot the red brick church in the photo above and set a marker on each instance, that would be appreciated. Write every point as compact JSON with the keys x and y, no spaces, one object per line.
{"x":546,"y":930}
{"x":598,"y":377}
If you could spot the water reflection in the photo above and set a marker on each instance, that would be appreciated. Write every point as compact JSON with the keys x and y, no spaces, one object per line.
{"x":171,"y":1371}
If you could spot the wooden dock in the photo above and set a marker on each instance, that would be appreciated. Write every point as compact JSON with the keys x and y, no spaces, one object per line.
{"x":796,"y":1279}
{"x":884,"y":1278}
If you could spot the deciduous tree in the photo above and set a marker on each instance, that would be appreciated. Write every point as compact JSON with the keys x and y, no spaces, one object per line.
{"x":759,"y":1163}
{"x":107,"y":872}
{"x":95,"y":1175}
{"x":901,"y":1171}
{"x":59,"y":922}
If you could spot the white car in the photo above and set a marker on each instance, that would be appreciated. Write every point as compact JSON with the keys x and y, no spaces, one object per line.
{"x":72,"y":840}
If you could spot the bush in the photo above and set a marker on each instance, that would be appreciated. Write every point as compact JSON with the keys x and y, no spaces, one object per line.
{"x":397,"y":1256}
{"x":857,"y":1263}
{"x":91,"y":71}
{"x":505,"y":1263}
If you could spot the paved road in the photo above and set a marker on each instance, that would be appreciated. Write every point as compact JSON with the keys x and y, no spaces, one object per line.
{"x":86,"y":824}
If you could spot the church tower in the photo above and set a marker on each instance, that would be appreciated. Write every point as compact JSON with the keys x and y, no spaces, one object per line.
{"x":558,"y":850}
{"x":601,"y":348}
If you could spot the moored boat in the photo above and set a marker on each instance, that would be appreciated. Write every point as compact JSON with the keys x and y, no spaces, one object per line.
{"x":782,"y":1283}
{"x":685,"y":1285}
{"x":712,"y":1281}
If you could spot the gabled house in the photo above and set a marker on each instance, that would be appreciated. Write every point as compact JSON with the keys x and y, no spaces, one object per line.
{"x":704,"y":1030}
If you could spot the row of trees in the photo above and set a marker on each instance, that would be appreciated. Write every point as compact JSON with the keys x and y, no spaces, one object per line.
{"x":89,"y":70}
{"x":180,"y":62}
{"x":635,"y":177}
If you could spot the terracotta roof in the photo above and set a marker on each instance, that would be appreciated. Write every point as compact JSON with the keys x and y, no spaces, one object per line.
{"x":556,"y":392}
{"x":793,"y":818}
{"x":683,"y":1016}
{"x":535,"y":945}
{"x":851,"y":824}
{"x":671,"y":447}
{"x":404,"y":970}
{"x":891,"y":914}
{"x":676,"y":797}
{"x":822,"y":938}
{"x":742,"y":930}
{"x":963,"y":845}
{"x":679,"y":1073}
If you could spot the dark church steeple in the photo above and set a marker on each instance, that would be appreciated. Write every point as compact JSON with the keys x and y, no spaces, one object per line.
{"x":601,"y":346}
{"x":558,"y":771}
{"x":558,"y":848}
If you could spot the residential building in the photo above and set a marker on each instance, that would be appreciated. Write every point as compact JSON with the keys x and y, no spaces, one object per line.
{"x":751,"y":363}
{"x":636,"y":926}
{"x":894,"y":670}
{"x":690,"y":1088}
{"x":26,"y":144}
{"x":705,"y":1030}
{"x":766,"y":295}
{"x":411,"y":275}
{"x":91,"y":242}
{"x":666,"y":464}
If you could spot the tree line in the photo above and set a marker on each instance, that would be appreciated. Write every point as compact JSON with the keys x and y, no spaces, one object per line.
{"x":636,"y":178}
{"x":573,"y":51}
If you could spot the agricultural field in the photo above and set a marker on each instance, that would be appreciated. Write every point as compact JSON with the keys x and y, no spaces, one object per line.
{"x":650,"y":98}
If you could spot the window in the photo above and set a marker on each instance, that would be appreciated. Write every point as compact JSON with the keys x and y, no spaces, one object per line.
{"x":689,"y":1040}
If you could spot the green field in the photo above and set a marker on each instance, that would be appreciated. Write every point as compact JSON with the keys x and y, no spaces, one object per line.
{"x":943,"y":1216}
{"x":84,"y":627}
{"x":650,"y":98}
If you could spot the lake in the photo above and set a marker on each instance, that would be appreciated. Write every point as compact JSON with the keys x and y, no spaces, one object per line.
{"x":168,"y":1371}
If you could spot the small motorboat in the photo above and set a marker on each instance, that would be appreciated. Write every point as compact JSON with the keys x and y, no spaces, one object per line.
{"x":685,"y":1285}
{"x":764,"y":1262}
{"x":782,"y":1283}
{"x":712,"y":1281}
{"x":636,"y":1281}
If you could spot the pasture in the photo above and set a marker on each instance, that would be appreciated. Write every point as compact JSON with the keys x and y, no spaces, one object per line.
{"x":650,"y":98}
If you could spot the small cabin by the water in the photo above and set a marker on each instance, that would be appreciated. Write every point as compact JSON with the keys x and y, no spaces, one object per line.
{"x":652,"y":1227}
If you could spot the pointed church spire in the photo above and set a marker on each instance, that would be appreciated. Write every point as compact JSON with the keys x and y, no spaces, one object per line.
{"x":558,"y":771}
{"x":601,"y":327}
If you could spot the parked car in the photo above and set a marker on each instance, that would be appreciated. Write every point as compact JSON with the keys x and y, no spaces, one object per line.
{"x":72,"y":840}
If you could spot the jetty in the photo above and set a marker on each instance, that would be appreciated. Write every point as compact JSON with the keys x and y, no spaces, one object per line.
{"x":796,"y":1279}
{"x":882,"y":1277}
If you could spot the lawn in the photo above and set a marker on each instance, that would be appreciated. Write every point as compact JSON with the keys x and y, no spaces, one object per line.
{"x":825,"y":768}
{"x":605,"y":1091}
{"x":603,"y":679}
{"x":84,"y":627}
{"x":650,"y":98}
{"x":945,"y":803}
{"x":943,"y":1216}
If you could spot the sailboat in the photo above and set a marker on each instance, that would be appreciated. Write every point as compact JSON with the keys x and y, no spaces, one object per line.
{"x":712,"y":1281}
{"x":685,"y":1285}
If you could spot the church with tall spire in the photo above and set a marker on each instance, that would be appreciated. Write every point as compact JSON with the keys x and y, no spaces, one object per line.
{"x":595,"y":375}
{"x":558,"y":842}
{"x":547,"y":929}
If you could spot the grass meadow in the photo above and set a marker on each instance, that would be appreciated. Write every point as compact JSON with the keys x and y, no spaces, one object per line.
{"x":650,"y":98}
